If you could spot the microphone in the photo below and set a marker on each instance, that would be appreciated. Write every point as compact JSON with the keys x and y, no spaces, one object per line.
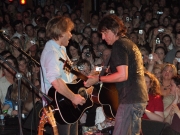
{"x":3,"y":31}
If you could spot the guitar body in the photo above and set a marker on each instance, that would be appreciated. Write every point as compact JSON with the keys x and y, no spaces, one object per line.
{"x":107,"y":96}
{"x":104,"y":94}
{"x":69,"y":113}
{"x":47,"y":117}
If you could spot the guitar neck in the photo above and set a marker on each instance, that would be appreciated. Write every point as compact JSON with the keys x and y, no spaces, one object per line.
{"x":55,"y":130}
{"x":40,"y":131}
{"x":41,"y":126}
{"x":79,"y":75}
{"x":73,"y":70}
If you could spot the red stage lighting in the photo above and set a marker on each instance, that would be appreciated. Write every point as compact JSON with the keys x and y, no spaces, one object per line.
{"x":22,"y":2}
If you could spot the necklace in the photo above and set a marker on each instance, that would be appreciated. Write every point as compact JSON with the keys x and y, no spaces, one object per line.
{"x":166,"y":87}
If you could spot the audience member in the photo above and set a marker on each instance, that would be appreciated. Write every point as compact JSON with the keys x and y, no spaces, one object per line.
{"x":171,"y":54}
{"x":168,"y":71}
{"x":94,"y":21}
{"x":74,"y":52}
{"x":16,"y":42}
{"x":9,"y":76}
{"x":172,"y":112}
{"x":154,"y":33}
{"x":154,"y":108}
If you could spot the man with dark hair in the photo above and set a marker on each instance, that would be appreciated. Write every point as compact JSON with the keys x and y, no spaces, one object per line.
{"x":19,"y":31}
{"x":127,"y":73}
{"x":84,"y":66}
{"x":59,"y":32}
{"x":30,"y":39}
{"x":41,"y":33}
{"x":171,"y":54}
{"x":41,"y":37}
{"x":94,"y":21}
{"x":29,"y":29}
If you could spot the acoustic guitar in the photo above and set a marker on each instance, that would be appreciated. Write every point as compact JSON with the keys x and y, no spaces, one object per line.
{"x":104,"y":94}
{"x":47,"y":117}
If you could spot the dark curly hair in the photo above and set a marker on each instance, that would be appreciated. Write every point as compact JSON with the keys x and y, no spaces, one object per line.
{"x":155,"y":85}
{"x":176,"y":79}
{"x":113,"y":23}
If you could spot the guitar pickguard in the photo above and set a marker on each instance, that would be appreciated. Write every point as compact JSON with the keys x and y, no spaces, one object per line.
{"x":83,"y":93}
{"x":68,"y":113}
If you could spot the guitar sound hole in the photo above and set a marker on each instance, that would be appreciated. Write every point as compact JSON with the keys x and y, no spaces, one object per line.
{"x":83,"y":93}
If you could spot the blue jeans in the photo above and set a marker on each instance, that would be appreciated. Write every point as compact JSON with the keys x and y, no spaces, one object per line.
{"x":128,"y":119}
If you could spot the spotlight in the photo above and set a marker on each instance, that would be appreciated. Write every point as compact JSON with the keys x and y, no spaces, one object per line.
{"x":22,"y":2}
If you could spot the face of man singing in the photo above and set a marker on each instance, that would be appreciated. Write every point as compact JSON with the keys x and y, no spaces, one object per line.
{"x":109,"y":37}
{"x":64,"y":40}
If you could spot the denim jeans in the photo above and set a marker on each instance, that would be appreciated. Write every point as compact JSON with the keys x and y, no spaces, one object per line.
{"x":128,"y":119}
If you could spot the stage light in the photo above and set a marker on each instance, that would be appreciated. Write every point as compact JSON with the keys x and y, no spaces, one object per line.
{"x":22,"y":2}
{"x":10,"y":0}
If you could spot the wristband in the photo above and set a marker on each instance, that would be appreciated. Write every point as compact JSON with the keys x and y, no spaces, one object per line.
{"x":4,"y":111}
{"x":100,"y":79}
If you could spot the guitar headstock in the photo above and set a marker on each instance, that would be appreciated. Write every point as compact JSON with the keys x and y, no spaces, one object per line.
{"x":42,"y":121}
{"x":73,"y":69}
{"x":68,"y":65}
{"x":48,"y":112}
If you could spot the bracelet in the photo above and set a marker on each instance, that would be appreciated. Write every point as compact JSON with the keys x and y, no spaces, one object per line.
{"x":4,"y":111}
{"x":100,"y":79}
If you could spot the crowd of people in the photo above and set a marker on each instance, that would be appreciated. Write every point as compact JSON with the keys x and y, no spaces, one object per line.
{"x":153,"y":25}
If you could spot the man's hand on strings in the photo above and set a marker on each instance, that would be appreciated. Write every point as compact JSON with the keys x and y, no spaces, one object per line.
{"x":78,"y":99}
{"x":91,"y":80}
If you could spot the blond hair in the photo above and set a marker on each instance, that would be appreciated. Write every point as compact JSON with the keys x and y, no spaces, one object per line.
{"x":57,"y":26}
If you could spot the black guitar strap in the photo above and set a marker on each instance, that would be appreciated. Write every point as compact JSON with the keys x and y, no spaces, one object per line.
{"x":43,"y":79}
{"x":106,"y":66}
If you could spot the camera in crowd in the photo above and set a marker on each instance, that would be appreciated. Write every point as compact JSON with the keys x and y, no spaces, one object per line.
{"x":159,"y":12}
{"x":33,"y":42}
{"x":98,"y":68}
{"x":80,"y":67}
{"x":158,"y":41}
{"x":127,"y":19}
{"x":88,"y":53}
{"x":178,"y":59}
{"x":99,"y":54}
{"x":160,"y":30}
{"x":140,"y":31}
{"x":150,"y":57}
{"x":111,"y":11}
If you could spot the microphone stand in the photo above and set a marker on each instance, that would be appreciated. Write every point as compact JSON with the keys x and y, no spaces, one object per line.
{"x":19,"y":77}
{"x":19,"y":49}
{"x":49,"y":99}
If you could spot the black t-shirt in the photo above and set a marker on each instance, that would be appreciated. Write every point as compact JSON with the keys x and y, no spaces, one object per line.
{"x":133,"y":90}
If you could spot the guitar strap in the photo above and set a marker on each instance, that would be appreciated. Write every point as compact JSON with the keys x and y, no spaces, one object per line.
{"x":106,"y":66}
{"x":66,"y":57}
{"x":44,"y":84}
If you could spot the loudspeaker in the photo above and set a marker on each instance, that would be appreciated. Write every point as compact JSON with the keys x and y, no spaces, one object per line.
{"x":31,"y":122}
{"x":151,"y":127}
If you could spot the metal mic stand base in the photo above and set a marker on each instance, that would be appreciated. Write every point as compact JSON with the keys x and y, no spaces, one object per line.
{"x":19,"y":77}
